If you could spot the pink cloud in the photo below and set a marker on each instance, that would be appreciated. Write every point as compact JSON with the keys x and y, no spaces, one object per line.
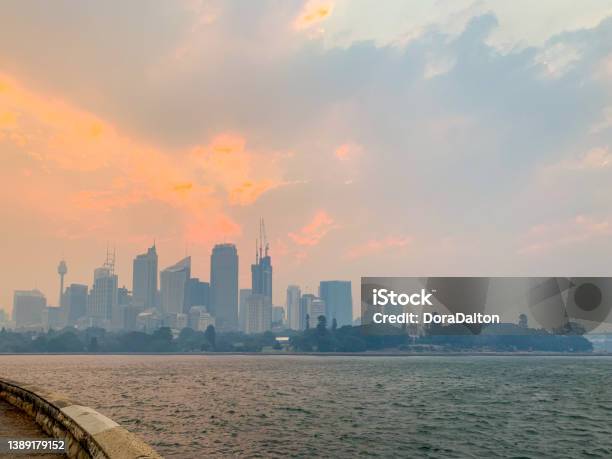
{"x":595,"y":158}
{"x":376,"y":246}
{"x":542,"y":238}
{"x":313,"y":232}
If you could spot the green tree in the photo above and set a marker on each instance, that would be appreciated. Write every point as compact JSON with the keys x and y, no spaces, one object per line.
{"x":162,"y":340}
{"x":321,"y":324}
{"x":66,"y":342}
{"x":334,"y":324}
{"x":210,"y":335}
{"x":93,"y":344}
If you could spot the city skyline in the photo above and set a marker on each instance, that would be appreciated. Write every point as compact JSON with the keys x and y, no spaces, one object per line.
{"x":419,"y":139}
{"x":260,"y":276}
{"x":182,"y":299}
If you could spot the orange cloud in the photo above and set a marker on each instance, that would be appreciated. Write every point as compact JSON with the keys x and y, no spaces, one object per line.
{"x":228,"y":143}
{"x":313,"y":12}
{"x":82,"y":168}
{"x":241,"y":174}
{"x":342,"y":151}
{"x":248,"y":192}
{"x":376,"y":246}
{"x":313,"y":232}
{"x":183,"y":186}
{"x":347,"y":151}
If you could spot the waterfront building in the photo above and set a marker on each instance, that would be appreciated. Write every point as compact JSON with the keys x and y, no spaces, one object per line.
{"x":245,"y":293}
{"x":53,"y":318}
{"x":312,"y":307}
{"x":176,"y":321}
{"x":338,"y":301}
{"x":278,"y":316}
{"x":258,"y":314}
{"x":200,"y":318}
{"x":295,"y":318}
{"x":144,"y":279}
{"x":258,"y":317}
{"x":103,"y":297}
{"x":28,"y":308}
{"x":173,"y":291}
{"x":148,"y":321}
{"x":224,"y":286}
{"x":198,"y":294}
{"x":75,"y":303}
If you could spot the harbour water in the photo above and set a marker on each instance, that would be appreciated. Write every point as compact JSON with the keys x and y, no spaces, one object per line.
{"x":303,"y":406}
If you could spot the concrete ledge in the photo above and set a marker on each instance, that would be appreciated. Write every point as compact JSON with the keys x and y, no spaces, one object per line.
{"x":87,"y":433}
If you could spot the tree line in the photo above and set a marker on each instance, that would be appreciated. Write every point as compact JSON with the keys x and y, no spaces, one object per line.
{"x":321,"y":338}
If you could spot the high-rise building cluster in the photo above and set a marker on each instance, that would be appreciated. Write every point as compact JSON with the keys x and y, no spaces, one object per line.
{"x":173,"y":298}
{"x":334,"y":302}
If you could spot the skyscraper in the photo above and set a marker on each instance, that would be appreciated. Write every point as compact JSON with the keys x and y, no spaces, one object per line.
{"x":258,"y":314}
{"x":198,"y":294}
{"x":313,"y":307}
{"x":75,"y":303}
{"x":28,"y":308}
{"x":278,"y":317}
{"x":144,"y":279}
{"x":259,"y":303}
{"x":174,"y":286}
{"x":224,"y":286}
{"x":103,"y":296}
{"x":338,"y":301}
{"x":245,"y":293}
{"x":294,"y":317}
{"x":261,"y":271}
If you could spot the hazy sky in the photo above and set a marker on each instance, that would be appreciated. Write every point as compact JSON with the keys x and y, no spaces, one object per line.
{"x":375,"y":138}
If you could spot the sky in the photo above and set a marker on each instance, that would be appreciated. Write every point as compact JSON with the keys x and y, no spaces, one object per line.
{"x":402,"y":138}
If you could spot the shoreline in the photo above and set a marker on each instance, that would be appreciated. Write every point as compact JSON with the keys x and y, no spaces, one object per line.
{"x":331,"y":354}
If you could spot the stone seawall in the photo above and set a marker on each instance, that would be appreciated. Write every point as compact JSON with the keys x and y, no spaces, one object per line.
{"x":87,"y":433}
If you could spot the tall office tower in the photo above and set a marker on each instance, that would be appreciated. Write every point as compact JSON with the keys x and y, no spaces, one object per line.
{"x":28,"y":308}
{"x":261,"y":271}
{"x":258,"y":314}
{"x":198,"y":294}
{"x":53,"y":318}
{"x":259,"y":304}
{"x":173,"y":282}
{"x":144,"y":279}
{"x":123,"y":308}
{"x":245,"y":293}
{"x":75,"y":303}
{"x":103,"y":295}
{"x":224,"y":286}
{"x":62,"y":269}
{"x":311,"y":307}
{"x":294,"y":317}
{"x":278,"y":316}
{"x":316,"y":309}
{"x":338,"y":301}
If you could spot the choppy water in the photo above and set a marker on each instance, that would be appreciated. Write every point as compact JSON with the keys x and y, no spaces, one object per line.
{"x":194,"y":406}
